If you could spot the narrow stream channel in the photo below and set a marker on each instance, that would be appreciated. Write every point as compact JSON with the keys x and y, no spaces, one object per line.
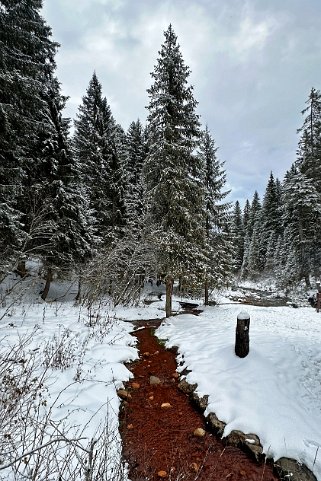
{"x":159,"y":425}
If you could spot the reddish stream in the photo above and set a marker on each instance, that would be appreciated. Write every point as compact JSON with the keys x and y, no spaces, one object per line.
{"x":159,"y":443}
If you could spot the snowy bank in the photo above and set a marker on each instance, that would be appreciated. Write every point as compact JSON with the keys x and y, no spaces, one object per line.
{"x":275,"y":392}
{"x":70,"y":361}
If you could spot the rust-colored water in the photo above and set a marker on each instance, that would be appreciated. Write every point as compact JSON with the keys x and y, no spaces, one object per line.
{"x":160,"y":441}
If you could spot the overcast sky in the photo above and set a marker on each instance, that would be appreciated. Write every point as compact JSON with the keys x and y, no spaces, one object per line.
{"x":253,"y":65}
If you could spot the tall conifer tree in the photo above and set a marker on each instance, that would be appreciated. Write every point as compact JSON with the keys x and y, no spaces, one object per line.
{"x":101,"y":171}
{"x":246,"y":214}
{"x":302,"y":216}
{"x":309,"y":149}
{"x":135,"y":157}
{"x":66,"y":209}
{"x":26,"y":56}
{"x":35,"y":149}
{"x":251,"y":254}
{"x":173,"y":173}
{"x":271,"y":226}
{"x":237,"y":236}
{"x":216,"y":215}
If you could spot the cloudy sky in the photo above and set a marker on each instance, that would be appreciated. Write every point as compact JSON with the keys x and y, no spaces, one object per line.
{"x":253,"y":65}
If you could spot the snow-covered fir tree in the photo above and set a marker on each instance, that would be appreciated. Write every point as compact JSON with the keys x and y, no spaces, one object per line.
{"x":66,"y":212}
{"x":246,"y":214}
{"x":237,"y":236}
{"x":27,"y":54}
{"x":247,"y":237}
{"x":216,"y":213}
{"x":279,"y":257}
{"x":309,"y":149}
{"x":173,"y":173}
{"x":251,"y":240}
{"x":302,"y":218}
{"x":255,"y":212}
{"x":271,"y":224}
{"x":36,"y":146}
{"x":118,"y":186}
{"x":254,"y":261}
{"x":99,"y":163}
{"x":136,"y":151}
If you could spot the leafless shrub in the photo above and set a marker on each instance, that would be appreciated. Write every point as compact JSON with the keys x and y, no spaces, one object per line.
{"x":34,"y":446}
{"x":119,"y":271}
{"x":61,"y":351}
{"x":98,"y":463}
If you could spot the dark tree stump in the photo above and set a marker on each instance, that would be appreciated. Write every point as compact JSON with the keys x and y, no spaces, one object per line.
{"x":242,"y":338}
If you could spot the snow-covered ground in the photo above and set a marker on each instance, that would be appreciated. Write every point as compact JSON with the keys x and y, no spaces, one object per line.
{"x":75,"y":357}
{"x":275,"y":392}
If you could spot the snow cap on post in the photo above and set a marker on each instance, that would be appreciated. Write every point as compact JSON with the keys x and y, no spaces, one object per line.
{"x":243,"y":316}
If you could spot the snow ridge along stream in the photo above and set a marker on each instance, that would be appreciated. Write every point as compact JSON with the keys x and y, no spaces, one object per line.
{"x":275,"y":392}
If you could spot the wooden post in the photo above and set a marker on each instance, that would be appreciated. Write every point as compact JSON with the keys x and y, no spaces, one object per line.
{"x":242,"y":338}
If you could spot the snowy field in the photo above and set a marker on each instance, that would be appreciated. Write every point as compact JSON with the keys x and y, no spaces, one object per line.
{"x":275,"y":392}
{"x":77,"y":357}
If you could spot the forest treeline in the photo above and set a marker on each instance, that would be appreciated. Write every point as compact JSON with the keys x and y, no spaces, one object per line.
{"x":281,"y":236}
{"x":116,"y":206}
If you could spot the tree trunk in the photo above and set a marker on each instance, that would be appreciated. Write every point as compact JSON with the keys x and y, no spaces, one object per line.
{"x":206,"y":293}
{"x":169,"y":294}
{"x":307,"y":280}
{"x":47,"y":285}
{"x":78,"y":296}
{"x":318,"y":301}
{"x":21,"y":269}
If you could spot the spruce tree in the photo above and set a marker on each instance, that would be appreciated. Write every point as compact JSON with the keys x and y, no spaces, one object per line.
{"x":302,"y":216}
{"x":237,"y":236}
{"x":172,"y":171}
{"x":255,"y":212}
{"x":246,"y":214}
{"x":35,"y":149}
{"x":271,"y":226}
{"x":279,"y":257}
{"x":252,"y":257}
{"x":100,"y":166}
{"x":71,"y":242}
{"x":26,"y":56}
{"x":247,"y":237}
{"x":216,"y":215}
{"x":245,"y":264}
{"x":309,"y":149}
{"x":270,"y":251}
{"x":118,"y":186}
{"x":136,"y":151}
{"x":302,"y":197}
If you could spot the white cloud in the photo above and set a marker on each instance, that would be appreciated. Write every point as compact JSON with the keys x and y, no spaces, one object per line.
{"x":252,"y":35}
{"x":253,"y":63}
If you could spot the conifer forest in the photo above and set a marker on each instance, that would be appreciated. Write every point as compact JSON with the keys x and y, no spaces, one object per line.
{"x":116,"y":207}
{"x":151,"y":325}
